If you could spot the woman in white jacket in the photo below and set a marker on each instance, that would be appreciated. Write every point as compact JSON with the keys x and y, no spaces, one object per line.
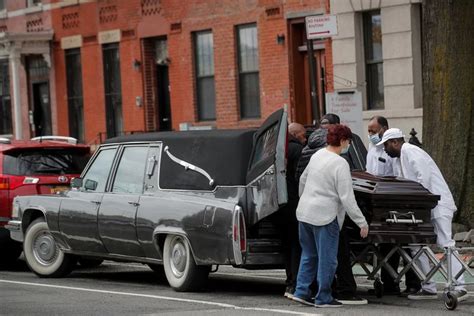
{"x":326,"y":195}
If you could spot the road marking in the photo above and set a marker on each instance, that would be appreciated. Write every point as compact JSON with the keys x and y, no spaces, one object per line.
{"x":224,"y":305}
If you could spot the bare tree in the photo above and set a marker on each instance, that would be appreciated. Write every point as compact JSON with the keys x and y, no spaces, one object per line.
{"x":448,"y":96}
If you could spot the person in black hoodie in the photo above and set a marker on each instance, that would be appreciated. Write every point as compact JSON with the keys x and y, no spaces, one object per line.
{"x":288,"y":222}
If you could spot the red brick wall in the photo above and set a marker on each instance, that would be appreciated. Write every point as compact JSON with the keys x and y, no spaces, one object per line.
{"x":152,"y":18}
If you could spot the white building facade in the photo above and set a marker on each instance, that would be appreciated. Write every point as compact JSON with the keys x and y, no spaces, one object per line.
{"x":378,"y":52}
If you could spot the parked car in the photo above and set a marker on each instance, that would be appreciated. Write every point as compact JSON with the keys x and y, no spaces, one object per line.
{"x":181,"y":202}
{"x":42,"y":165}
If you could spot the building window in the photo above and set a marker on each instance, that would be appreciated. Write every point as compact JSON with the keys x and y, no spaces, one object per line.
{"x":249,"y":90}
{"x":204,"y":62}
{"x":2,"y":5}
{"x":113,"y":89}
{"x":6,"y":126}
{"x":32,"y":3}
{"x":74,"y":93}
{"x":372,"y":24}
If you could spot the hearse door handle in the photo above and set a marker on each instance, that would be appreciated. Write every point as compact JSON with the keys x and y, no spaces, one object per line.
{"x":133,"y":203}
{"x":96,"y":202}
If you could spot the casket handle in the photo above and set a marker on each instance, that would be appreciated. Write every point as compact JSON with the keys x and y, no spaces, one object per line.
{"x":397,"y":217}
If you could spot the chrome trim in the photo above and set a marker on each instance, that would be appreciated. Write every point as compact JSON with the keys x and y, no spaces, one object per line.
{"x":403,"y":218}
{"x":4,"y":219}
{"x":13,"y":225}
{"x":187,"y":166}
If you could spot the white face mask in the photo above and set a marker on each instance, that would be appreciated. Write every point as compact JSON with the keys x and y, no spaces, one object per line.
{"x":374,"y":139}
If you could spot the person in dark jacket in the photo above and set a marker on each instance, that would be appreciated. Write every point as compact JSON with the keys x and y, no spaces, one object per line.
{"x":288,"y":222}
{"x":316,"y":141}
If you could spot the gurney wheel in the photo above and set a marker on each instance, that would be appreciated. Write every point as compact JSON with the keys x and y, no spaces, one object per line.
{"x":450,"y":301}
{"x":378,"y":287}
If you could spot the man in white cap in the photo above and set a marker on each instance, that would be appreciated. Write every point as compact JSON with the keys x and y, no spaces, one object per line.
{"x":416,"y":165}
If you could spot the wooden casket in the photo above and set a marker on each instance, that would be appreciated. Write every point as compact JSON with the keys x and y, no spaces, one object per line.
{"x":398,"y":210}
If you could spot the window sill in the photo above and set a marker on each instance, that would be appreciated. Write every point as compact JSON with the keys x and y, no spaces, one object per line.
{"x":3,"y":14}
{"x":33,"y":9}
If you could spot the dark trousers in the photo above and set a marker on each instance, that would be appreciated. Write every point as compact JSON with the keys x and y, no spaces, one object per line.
{"x":344,"y":283}
{"x":411,"y":279}
{"x":288,"y":227}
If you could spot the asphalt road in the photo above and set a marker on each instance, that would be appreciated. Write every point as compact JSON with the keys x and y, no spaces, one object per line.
{"x":134,"y":289}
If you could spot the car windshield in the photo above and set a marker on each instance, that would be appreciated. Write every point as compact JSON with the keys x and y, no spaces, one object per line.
{"x":45,"y":162}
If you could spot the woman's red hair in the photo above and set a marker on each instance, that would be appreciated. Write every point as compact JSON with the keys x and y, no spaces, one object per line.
{"x":337,"y":133}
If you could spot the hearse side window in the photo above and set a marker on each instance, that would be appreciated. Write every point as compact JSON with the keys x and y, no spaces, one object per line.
{"x":131,"y":170}
{"x":265,"y":145}
{"x":96,"y":177}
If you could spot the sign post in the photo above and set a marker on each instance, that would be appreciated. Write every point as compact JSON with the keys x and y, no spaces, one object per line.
{"x":321,"y":26}
{"x":317,"y":26}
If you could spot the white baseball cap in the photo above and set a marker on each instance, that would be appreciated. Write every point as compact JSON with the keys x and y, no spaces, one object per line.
{"x":391,"y":133}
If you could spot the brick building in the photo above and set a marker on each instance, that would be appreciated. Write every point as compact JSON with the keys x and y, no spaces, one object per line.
{"x":116,"y":66}
{"x":95,"y":69}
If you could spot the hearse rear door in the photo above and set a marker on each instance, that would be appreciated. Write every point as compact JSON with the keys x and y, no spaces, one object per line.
{"x":266,"y":176}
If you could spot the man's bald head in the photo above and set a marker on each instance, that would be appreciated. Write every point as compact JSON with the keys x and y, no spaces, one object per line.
{"x":297,"y":131}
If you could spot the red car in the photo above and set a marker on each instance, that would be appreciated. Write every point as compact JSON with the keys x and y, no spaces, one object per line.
{"x":42,"y":165}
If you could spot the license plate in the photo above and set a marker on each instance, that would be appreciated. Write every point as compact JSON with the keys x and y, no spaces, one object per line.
{"x":59,"y":189}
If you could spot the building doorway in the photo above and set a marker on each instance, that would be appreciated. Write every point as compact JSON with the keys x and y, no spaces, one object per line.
{"x":302,"y":110}
{"x":41,"y":112}
{"x":163,"y":92}
{"x":112,"y":89}
{"x":39,"y":103}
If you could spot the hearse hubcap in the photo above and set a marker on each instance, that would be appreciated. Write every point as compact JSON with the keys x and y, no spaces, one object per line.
{"x":178,"y":258}
{"x":44,"y":249}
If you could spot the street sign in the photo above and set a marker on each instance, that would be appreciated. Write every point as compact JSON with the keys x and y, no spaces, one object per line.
{"x":348,"y":106}
{"x":320,"y":26}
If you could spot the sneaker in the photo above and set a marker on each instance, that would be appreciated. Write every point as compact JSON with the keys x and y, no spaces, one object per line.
{"x":289,"y":292}
{"x":304,"y":301}
{"x":333,"y":304}
{"x":423,"y":295}
{"x":409,"y":291}
{"x":352,"y":300}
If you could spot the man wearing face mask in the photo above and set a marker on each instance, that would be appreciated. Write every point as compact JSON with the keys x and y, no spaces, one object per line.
{"x":378,"y":162}
{"x":416,"y":165}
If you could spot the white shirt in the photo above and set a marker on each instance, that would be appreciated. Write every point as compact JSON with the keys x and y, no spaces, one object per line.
{"x":416,"y":165}
{"x":326,"y":191}
{"x":377,"y":167}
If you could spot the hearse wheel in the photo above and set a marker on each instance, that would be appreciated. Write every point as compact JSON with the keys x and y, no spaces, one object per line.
{"x":42,"y":254}
{"x":451,"y":301}
{"x":181,"y":270}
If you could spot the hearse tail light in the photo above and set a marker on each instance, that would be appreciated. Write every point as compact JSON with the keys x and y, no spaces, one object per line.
{"x":239,"y":236}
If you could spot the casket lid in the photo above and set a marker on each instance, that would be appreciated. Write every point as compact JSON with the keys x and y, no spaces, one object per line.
{"x":368,"y":183}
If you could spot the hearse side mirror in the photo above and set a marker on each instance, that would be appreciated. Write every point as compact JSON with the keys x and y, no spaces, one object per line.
{"x":76,"y":183}
{"x":90,"y":185}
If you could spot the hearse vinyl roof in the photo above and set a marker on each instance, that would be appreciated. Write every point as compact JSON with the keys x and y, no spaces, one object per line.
{"x":224,"y":154}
